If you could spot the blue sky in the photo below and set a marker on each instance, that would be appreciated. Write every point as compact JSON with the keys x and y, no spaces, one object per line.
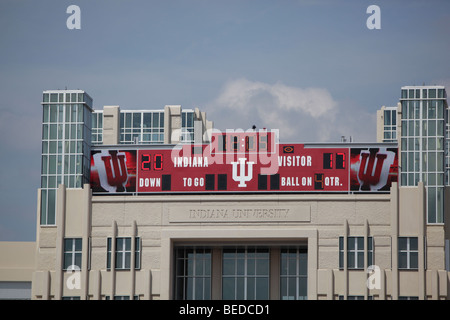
{"x":309,"y":68}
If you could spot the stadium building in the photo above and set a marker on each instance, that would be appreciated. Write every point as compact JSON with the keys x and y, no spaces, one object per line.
{"x":156,"y":204}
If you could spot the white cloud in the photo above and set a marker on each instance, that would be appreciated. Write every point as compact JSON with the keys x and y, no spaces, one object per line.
{"x":301,"y":114}
{"x":313,"y":101}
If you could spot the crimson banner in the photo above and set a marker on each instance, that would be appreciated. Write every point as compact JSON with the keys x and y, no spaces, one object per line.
{"x":373,"y":169}
{"x":113,"y":171}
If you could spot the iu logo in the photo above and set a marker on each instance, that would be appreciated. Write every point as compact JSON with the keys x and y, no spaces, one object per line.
{"x":374,"y":168}
{"x":242,"y":178}
{"x":112,"y":170}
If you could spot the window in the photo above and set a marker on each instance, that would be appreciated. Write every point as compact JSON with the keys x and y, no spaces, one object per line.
{"x":355,"y":252}
{"x":432,"y":93}
{"x":97,"y":127}
{"x":404,"y":94}
{"x":240,"y":272}
{"x":390,"y":125}
{"x":123,"y":254}
{"x":408,"y":254}
{"x":72,"y":254}
{"x":245,"y":274}
{"x":141,"y":127}
{"x":293,"y":274}
{"x":193,"y":274}
{"x":187,"y":126}
{"x":387,"y":117}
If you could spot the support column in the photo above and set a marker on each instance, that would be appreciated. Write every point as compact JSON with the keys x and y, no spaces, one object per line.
{"x":216,"y":276}
{"x":133,"y":260}
{"x":313,"y":253}
{"x":366,"y":255}
{"x":421,"y":203}
{"x":60,"y":225}
{"x":85,"y":241}
{"x":97,"y":284}
{"x":394,"y":242}
{"x":113,"y":260}
{"x":383,"y":285}
{"x":330,"y":292}
{"x":346,"y":231}
{"x":148,"y":285}
{"x":111,"y":125}
{"x":172,"y":124}
{"x":46,"y":282}
{"x":275,"y":256}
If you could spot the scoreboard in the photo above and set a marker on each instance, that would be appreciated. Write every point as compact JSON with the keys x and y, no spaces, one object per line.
{"x":295,"y":169}
{"x":243,"y":163}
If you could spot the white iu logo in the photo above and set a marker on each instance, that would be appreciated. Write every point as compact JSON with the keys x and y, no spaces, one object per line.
{"x":242,"y":178}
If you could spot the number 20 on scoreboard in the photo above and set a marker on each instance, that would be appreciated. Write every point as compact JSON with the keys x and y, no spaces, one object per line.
{"x":151,"y":162}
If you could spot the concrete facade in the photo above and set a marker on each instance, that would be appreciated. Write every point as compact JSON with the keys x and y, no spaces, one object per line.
{"x":17,"y":265}
{"x":314,"y":222}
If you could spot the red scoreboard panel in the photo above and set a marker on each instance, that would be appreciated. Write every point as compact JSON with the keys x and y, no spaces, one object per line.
{"x":242,"y":164}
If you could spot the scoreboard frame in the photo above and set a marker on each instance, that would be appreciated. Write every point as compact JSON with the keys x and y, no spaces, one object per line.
{"x":200,"y":169}
{"x":293,"y":172}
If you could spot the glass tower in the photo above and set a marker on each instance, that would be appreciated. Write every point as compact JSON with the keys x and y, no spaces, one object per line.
{"x":66,"y":143}
{"x":424,"y":144}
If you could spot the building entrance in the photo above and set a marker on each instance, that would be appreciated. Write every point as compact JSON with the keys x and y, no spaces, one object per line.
{"x":240,"y":272}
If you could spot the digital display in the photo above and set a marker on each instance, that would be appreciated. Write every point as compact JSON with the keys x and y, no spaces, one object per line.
{"x":334,"y":160}
{"x":242,"y":142}
{"x":289,"y":168}
{"x":244,"y":163}
{"x":151,"y":162}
